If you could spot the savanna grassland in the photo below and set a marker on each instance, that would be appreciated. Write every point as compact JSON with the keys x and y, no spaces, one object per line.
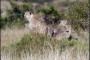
{"x":18,"y":43}
{"x":26,"y":46}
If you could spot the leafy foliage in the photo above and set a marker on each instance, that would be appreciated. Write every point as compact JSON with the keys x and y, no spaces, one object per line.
{"x":79,"y":10}
{"x":51,"y":15}
{"x":15,"y":16}
{"x":78,"y":14}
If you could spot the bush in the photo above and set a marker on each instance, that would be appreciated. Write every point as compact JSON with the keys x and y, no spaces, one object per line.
{"x":51,"y":15}
{"x":15,"y":16}
{"x":78,"y":14}
{"x":39,"y":43}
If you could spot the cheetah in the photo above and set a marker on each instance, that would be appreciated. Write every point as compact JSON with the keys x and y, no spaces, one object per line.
{"x":37,"y":25}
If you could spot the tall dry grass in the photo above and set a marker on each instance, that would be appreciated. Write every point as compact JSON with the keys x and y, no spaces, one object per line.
{"x":9,"y":36}
{"x":78,"y":51}
{"x":67,"y":55}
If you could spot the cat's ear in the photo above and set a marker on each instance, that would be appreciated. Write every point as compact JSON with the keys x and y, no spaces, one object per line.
{"x":28,"y":12}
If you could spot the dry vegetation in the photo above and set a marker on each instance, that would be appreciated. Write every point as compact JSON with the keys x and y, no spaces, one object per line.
{"x":20,"y":44}
{"x":66,"y":55}
{"x":9,"y":36}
